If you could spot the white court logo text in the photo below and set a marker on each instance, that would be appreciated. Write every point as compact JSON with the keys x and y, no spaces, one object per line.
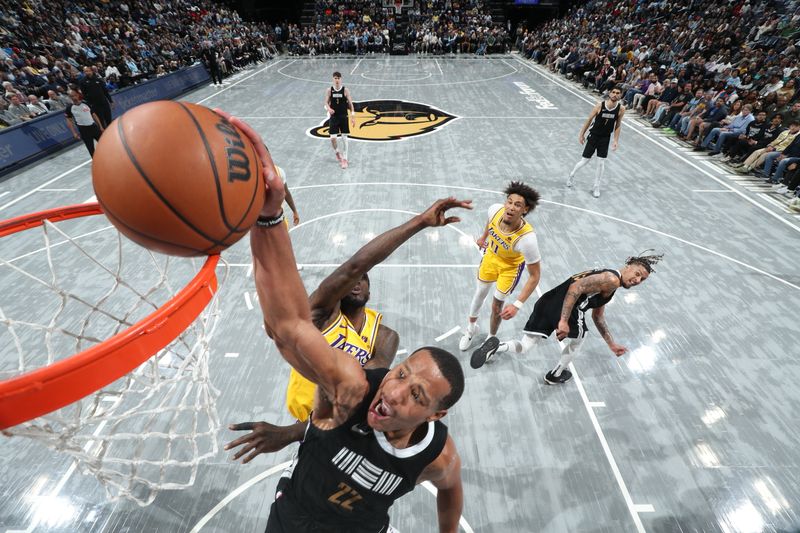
{"x":532,"y":96}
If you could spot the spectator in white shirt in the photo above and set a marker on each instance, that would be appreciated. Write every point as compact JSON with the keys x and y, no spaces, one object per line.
{"x":36,"y":107}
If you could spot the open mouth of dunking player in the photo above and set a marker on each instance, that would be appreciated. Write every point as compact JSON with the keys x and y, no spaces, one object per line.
{"x":379,"y":411}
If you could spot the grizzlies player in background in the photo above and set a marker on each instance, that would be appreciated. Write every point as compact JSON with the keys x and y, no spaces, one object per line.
{"x":338,"y":102}
{"x":604,"y":120}
{"x":510,"y":246}
{"x":563,"y":310}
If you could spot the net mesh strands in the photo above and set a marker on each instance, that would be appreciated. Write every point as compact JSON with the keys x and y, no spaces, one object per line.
{"x":80,"y":285}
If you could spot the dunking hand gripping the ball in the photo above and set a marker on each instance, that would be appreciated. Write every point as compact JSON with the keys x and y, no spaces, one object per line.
{"x":178,"y":179}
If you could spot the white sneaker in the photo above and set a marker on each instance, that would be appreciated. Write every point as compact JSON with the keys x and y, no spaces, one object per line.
{"x":780,"y":189}
{"x":596,"y":191}
{"x":466,"y":339}
{"x":794,"y":205}
{"x":502,"y":347}
{"x":570,"y":180}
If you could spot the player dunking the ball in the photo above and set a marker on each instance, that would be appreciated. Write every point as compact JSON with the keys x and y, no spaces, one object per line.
{"x":374,"y":434}
{"x":338,"y":102}
{"x":563,"y":310}
{"x":510,"y":246}
{"x":604,"y":120}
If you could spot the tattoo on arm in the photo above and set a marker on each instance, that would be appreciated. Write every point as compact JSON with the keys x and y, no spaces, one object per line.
{"x":602,"y":327}
{"x":569,"y":301}
{"x":587,"y":285}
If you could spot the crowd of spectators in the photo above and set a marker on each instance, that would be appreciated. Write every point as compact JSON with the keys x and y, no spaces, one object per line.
{"x":433,"y":26}
{"x":721,"y":77}
{"x":48,"y":48}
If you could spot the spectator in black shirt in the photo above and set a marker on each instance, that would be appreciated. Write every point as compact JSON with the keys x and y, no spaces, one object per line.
{"x":209,"y":55}
{"x":759,"y":133}
{"x":665,"y":115}
{"x":96,"y":94}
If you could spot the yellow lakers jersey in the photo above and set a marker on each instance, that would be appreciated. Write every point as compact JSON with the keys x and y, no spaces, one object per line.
{"x":501,"y":244}
{"x":342,"y":335}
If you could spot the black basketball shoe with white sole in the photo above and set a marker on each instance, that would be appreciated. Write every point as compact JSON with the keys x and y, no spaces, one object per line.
{"x":484,"y":352}
{"x":552,"y":379}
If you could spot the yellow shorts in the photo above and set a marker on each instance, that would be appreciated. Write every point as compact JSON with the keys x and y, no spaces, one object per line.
{"x":505,"y":276}
{"x":300,"y":396}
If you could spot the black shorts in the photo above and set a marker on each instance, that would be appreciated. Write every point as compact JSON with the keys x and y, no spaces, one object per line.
{"x":338,"y":125}
{"x":594,"y":143}
{"x":285,"y":516}
{"x":546,"y":315}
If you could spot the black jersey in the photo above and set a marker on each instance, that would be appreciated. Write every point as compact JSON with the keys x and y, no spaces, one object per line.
{"x":339,"y":102}
{"x":547,"y":311}
{"x":347,"y":478}
{"x":603,"y":124}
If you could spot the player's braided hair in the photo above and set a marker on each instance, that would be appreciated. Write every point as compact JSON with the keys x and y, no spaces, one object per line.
{"x":528,"y":193}
{"x":647,"y":261}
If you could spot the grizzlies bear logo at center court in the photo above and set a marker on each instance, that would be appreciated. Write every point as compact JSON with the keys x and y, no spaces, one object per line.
{"x":390,"y":120}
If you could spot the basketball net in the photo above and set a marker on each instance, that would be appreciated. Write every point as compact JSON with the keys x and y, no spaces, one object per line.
{"x":148,"y":430}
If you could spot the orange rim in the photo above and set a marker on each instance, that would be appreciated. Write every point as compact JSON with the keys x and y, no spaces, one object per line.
{"x":46,"y":389}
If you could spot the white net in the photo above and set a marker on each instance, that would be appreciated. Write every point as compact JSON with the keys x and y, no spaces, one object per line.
{"x":147,"y":431}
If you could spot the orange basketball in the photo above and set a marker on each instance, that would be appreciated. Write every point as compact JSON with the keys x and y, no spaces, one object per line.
{"x":177,"y":178}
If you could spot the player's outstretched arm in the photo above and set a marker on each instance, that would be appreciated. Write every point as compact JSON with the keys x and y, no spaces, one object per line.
{"x":598,"y":316}
{"x":590,"y":284}
{"x":264,"y":438}
{"x":445,"y":474}
{"x":325,"y":300}
{"x":284,"y":301}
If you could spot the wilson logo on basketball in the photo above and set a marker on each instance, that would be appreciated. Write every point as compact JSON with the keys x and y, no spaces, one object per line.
{"x":238,"y":162}
{"x":390,"y":120}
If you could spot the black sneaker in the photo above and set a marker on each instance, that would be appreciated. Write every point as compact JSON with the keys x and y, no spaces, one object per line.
{"x":484,"y":352}
{"x":550,"y":379}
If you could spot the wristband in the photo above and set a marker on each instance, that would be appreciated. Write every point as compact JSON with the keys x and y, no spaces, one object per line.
{"x":518,"y":304}
{"x":268,"y":222}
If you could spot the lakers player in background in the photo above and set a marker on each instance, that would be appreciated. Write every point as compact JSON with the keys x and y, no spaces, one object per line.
{"x":604,"y":120}
{"x":338,"y":102}
{"x":510,"y":246}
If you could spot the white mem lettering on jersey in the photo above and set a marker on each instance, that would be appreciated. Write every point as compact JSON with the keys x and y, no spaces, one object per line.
{"x":527,"y":245}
